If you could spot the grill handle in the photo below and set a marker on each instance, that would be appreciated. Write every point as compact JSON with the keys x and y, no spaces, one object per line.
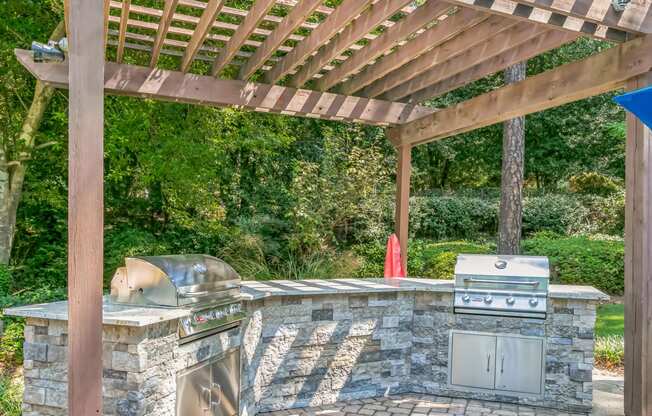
{"x":191,"y":294}
{"x":503,"y":282}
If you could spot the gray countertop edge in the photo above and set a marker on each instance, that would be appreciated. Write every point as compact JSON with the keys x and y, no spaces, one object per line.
{"x":255,"y":290}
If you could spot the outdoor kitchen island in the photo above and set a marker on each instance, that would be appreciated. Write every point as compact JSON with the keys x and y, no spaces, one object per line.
{"x":312,"y":342}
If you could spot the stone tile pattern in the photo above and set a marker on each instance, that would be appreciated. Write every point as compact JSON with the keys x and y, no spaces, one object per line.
{"x":317,"y":350}
{"x":420,"y":405}
{"x":312,"y":350}
{"x":140,"y":367}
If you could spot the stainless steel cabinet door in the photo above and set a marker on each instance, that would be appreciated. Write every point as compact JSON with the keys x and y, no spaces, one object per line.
{"x":519,"y":365}
{"x":473,"y":360}
{"x":193,"y":391}
{"x":225,"y":387}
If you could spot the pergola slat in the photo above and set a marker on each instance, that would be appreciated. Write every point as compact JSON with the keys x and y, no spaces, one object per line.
{"x":164,"y":25}
{"x":342,"y":16}
{"x":201,"y":31}
{"x":500,"y":43}
{"x":255,"y":15}
{"x":433,"y":37}
{"x":546,"y":41}
{"x":515,"y":10}
{"x":282,"y":32}
{"x":164,"y":85}
{"x":390,"y":38}
{"x":124,"y":19}
{"x":597,"y":74}
{"x":364,"y":24}
{"x":494,"y":31}
{"x":636,"y":18}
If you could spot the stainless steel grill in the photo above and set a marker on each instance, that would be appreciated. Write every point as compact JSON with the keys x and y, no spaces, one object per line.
{"x":210,"y":288}
{"x":501,"y":285}
{"x":205,"y":284}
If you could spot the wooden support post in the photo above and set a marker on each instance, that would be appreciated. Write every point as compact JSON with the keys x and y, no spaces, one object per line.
{"x":85,"y":206}
{"x":638,"y":263}
{"x":403,"y":171}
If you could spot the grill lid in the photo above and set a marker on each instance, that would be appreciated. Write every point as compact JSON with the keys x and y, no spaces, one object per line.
{"x":173,"y":280}
{"x":503,"y":266}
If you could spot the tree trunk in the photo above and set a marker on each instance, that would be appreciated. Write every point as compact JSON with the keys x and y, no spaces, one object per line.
{"x":511,"y":184}
{"x":12,"y":173}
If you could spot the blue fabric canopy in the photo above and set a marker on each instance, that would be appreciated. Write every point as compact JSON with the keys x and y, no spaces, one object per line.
{"x":638,"y":102}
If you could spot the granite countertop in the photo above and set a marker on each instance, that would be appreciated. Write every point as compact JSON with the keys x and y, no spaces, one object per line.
{"x":253,"y":290}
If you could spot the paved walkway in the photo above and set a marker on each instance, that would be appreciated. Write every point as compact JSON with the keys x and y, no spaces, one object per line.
{"x":608,"y":401}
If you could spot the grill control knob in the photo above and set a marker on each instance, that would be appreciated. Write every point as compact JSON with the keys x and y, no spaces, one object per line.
{"x":466,"y":298}
{"x":488,"y":299}
{"x":510,"y":300}
{"x":534,"y":302}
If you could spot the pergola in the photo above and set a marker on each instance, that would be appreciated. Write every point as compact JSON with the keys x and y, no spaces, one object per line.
{"x":363,"y":61}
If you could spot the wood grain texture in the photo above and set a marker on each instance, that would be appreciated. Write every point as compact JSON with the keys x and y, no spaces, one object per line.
{"x":638,"y":264}
{"x":431,"y":38}
{"x":443,"y":67}
{"x":124,"y":19}
{"x":367,"y":22}
{"x":85,"y":207}
{"x":402,"y":214}
{"x":341,"y":16}
{"x":494,"y":28}
{"x":512,"y":9}
{"x":389,"y":39}
{"x":204,"y":26}
{"x":546,"y":41}
{"x":282,"y":32}
{"x":597,"y":74}
{"x":636,"y":18}
{"x":164,"y":85}
{"x":163,"y":26}
{"x":257,"y":12}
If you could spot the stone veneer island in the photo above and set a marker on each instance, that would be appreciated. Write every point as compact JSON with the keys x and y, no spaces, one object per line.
{"x":314,"y":342}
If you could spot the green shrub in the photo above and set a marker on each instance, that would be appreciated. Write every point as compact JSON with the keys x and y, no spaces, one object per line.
{"x":556,"y":213}
{"x":449,"y":217}
{"x":582,"y":260}
{"x":593,"y":183}
{"x":425,"y":259}
{"x":11,"y":395}
{"x":610,"y":352}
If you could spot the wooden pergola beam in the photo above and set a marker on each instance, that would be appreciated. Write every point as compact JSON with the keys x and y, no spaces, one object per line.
{"x":402,"y":201}
{"x":549,"y":39}
{"x":636,"y":18}
{"x":528,"y":13}
{"x":501,"y":42}
{"x":85,"y":206}
{"x":368,"y":21}
{"x":163,"y":26}
{"x":597,"y":74}
{"x":390,"y":38}
{"x":431,"y":38}
{"x":124,"y":19}
{"x":286,"y":27}
{"x":638,"y":262}
{"x":249,"y":24}
{"x":204,"y":26}
{"x":341,"y":16}
{"x":164,"y":85}
{"x":495,"y":31}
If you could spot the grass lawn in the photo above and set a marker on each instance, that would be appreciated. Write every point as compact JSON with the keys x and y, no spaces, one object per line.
{"x":610,"y":320}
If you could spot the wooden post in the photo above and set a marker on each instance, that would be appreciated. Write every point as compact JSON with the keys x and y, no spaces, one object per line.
{"x":401,"y":219}
{"x":638,"y":263}
{"x":85,"y":206}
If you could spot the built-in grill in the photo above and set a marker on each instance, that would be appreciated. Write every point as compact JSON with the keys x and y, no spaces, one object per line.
{"x":501,"y":285}
{"x":205,"y":284}
{"x":210,"y":288}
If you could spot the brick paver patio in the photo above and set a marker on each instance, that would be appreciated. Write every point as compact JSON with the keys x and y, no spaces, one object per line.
{"x":420,"y":405}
